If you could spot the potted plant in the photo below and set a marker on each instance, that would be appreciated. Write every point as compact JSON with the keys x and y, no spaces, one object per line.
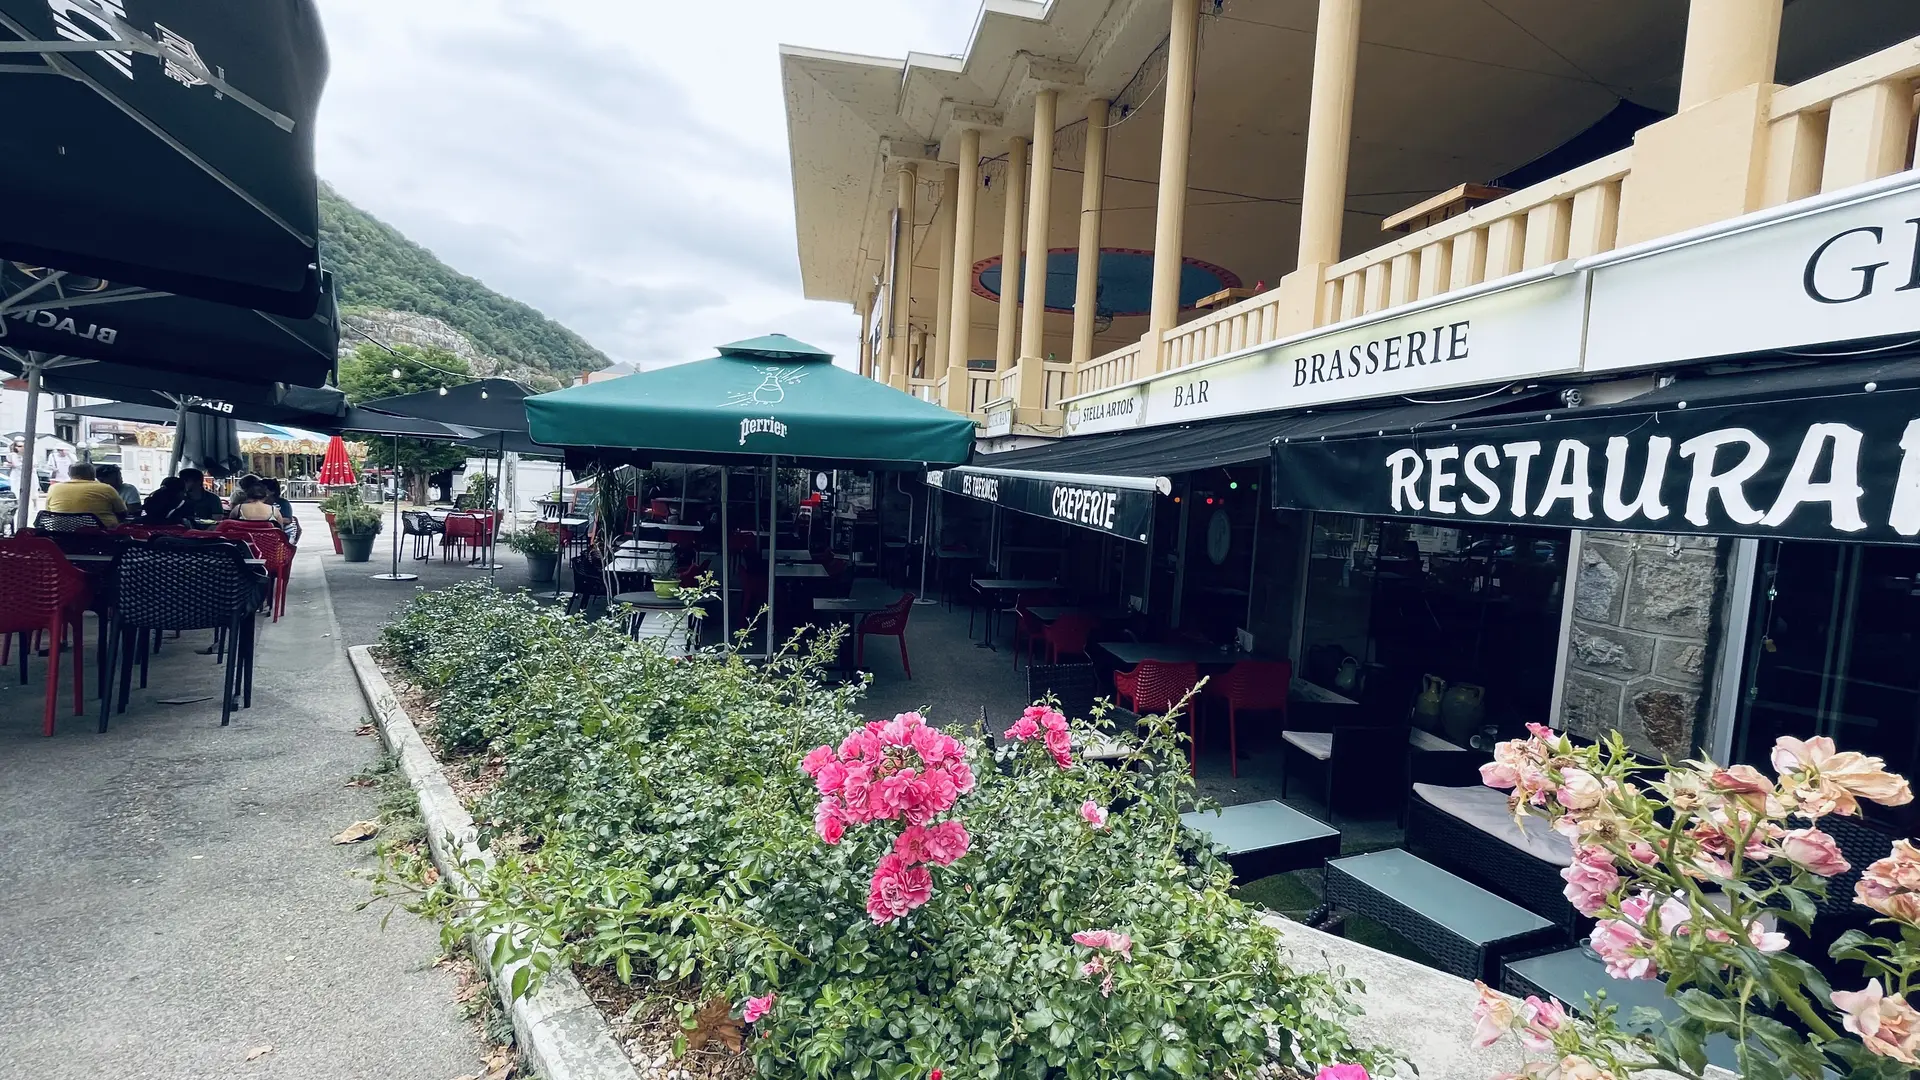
{"x":356,"y":524}
{"x":330,"y":506}
{"x":542,"y":549}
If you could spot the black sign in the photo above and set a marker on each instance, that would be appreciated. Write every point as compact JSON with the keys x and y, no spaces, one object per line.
{"x":1123,"y":511}
{"x":1823,"y":467}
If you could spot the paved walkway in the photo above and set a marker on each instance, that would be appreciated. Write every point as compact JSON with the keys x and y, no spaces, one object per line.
{"x":172,"y":900}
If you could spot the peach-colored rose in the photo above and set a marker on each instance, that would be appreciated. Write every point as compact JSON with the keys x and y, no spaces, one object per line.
{"x":1792,"y":755}
{"x":1493,"y":1016}
{"x":1580,"y":790}
{"x":1824,"y":781}
{"x":1891,"y":886}
{"x":1866,"y":777}
{"x":1887,"y":1025}
{"x":1815,"y":852}
{"x":1748,"y":785}
{"x":1574,"y":1067}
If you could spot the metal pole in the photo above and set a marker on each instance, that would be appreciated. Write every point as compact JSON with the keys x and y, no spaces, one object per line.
{"x":23,"y":510}
{"x":726,"y":566}
{"x":499,"y":483}
{"x":395,"y":574}
{"x":926,"y":541}
{"x":773,"y":540}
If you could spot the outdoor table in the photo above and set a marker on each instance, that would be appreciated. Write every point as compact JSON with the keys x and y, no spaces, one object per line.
{"x":1049,"y":614}
{"x":1267,"y":837}
{"x":1131,"y":653}
{"x":986,"y":586}
{"x":1570,"y":975}
{"x":106,"y":560}
{"x":647,"y":600}
{"x":664,"y":527}
{"x":1465,"y":928}
{"x":799,"y":570}
{"x":793,"y":555}
{"x":851,"y":609}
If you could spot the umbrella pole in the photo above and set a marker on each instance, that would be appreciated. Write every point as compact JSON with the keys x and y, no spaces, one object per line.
{"x":30,"y":486}
{"x":395,"y":574}
{"x":179,"y":438}
{"x":773,"y":542}
{"x":926,"y":541}
{"x":726,"y":566}
{"x":499,"y":481}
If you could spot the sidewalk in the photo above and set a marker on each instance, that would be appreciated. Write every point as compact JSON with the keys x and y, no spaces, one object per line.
{"x":173,"y":900}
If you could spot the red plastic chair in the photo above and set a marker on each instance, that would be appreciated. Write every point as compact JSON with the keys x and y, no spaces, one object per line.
{"x":1251,"y":684}
{"x":41,"y":590}
{"x":891,"y":622}
{"x":1156,"y":687}
{"x":1068,"y":635}
{"x":691,"y":575}
{"x":269,"y":544}
{"x":1026,"y":628}
{"x":464,"y":530}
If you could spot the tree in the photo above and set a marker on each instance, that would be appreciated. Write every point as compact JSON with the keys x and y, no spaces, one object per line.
{"x":369,"y":374}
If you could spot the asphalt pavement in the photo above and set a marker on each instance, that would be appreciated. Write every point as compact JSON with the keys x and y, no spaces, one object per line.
{"x":172,"y":899}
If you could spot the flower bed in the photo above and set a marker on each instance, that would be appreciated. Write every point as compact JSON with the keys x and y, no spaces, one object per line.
{"x":843,"y":899}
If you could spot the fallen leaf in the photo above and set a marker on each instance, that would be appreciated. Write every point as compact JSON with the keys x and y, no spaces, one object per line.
{"x":185,"y":700}
{"x":466,"y":1076}
{"x":364,"y":729}
{"x":356,"y":832}
{"x":715,"y":1021}
{"x":429,"y":877}
{"x":499,"y":1064}
{"x":259,"y":1052}
{"x":362,"y":781}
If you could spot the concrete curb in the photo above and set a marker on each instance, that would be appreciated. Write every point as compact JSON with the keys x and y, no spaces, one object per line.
{"x":560,"y":1032}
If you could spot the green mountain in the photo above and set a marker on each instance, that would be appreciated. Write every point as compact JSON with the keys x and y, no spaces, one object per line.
{"x":375,"y":269}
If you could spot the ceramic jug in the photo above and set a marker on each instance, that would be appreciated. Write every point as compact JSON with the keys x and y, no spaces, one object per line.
{"x":1461,"y":710}
{"x":1426,"y":706}
{"x":1347,"y":679}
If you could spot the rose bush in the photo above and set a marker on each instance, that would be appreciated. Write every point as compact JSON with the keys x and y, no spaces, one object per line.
{"x":1694,"y":872}
{"x":879,"y":900}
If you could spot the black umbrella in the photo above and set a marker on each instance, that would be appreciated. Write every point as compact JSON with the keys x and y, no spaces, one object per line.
{"x":267,"y":402}
{"x":208,"y":443}
{"x":180,"y":159}
{"x":72,"y":316}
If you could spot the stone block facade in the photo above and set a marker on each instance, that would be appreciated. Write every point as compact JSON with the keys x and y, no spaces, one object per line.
{"x":1640,"y":647}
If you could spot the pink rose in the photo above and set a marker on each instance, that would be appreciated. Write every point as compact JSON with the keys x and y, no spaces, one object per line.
{"x":1590,"y":879}
{"x":816,"y":759}
{"x":1092,"y":813}
{"x":829,"y":777}
{"x":1579,"y":790}
{"x":897,"y":888}
{"x":1815,"y":852}
{"x":1111,"y":940}
{"x":1497,"y":774}
{"x":1058,"y":741}
{"x":911,"y":844}
{"x":1891,"y":886}
{"x":961,"y":774}
{"x":1887,"y":1025}
{"x":1493,"y":1016}
{"x":946,"y":842}
{"x":1792,"y":755}
{"x":1542,"y":731}
{"x":1342,"y":1072}
{"x":1053,"y":720}
{"x":757,"y":1008}
{"x":1616,"y":941}
{"x":1023,"y":729}
{"x":860,"y":744}
{"x":1765,"y":940}
{"x":828,"y":821}
{"x":1540,"y":1019}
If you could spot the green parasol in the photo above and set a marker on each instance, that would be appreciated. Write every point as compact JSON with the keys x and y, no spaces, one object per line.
{"x":767,"y":396}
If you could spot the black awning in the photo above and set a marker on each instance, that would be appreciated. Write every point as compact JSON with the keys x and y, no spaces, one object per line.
{"x":1119,"y":506}
{"x":1816,"y":451}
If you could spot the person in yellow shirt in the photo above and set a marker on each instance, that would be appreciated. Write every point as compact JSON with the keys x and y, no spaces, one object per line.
{"x":81,"y":493}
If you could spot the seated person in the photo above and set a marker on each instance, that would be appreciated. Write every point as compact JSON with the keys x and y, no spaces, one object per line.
{"x":240,"y":488}
{"x":280,"y":503}
{"x":196,"y":502}
{"x":110,"y":476}
{"x":81,"y":493}
{"x":164,"y":505}
{"x":255,"y":503}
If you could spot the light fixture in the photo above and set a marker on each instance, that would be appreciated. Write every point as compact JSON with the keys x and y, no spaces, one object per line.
{"x":483,"y":395}
{"x":396,"y":373}
{"x":443,"y":391}
{"x":1233,"y":485}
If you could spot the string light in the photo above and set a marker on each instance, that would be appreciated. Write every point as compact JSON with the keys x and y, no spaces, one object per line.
{"x":396,"y":373}
{"x":443,"y":391}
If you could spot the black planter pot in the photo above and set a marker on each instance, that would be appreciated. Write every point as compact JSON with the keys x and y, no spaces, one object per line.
{"x":358,"y":547}
{"x":542,"y":568}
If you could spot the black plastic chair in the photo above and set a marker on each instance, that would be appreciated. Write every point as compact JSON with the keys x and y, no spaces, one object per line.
{"x":184,"y":583}
{"x":49,"y":521}
{"x":588,"y":582}
{"x":420,"y":525}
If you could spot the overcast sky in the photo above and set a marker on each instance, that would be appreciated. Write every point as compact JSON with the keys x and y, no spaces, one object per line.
{"x":619,"y":164}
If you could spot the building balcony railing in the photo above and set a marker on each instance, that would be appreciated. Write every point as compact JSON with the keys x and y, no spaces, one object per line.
{"x":1844,"y":127}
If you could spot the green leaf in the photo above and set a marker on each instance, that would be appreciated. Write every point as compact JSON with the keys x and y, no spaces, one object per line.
{"x":1704,"y":1006}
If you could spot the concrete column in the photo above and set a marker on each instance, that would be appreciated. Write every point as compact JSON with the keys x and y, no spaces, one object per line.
{"x":866,"y":338}
{"x":935,"y":360}
{"x":1006,"y":346}
{"x":1033,"y":327}
{"x":1730,"y":44}
{"x":966,"y":203}
{"x":906,"y":181}
{"x":1323,"y":200}
{"x":1176,"y":132}
{"x":1093,"y":187}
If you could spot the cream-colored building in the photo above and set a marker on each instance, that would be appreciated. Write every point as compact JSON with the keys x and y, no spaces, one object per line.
{"x":1289,"y":165}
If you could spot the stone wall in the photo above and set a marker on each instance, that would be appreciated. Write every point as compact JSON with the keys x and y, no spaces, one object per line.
{"x":1643,"y":638}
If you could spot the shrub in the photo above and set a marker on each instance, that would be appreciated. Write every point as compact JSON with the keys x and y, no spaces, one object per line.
{"x":1020,"y":917}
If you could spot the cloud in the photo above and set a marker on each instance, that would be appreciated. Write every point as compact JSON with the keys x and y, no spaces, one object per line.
{"x":619,"y":164}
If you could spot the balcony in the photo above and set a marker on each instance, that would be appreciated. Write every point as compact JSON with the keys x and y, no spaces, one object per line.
{"x":1839,"y":129}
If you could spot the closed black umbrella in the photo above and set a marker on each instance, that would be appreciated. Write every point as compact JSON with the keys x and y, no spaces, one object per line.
{"x":208,"y":443}
{"x":180,"y":159}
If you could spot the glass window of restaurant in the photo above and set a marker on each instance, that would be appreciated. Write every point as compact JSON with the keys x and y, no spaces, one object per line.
{"x":1834,"y":633}
{"x":1395,"y":606}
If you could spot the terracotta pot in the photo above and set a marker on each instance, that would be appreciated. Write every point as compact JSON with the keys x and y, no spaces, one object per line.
{"x":335,"y":532}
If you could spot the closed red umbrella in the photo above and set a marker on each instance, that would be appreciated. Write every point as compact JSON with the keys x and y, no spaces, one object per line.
{"x":336,"y":469}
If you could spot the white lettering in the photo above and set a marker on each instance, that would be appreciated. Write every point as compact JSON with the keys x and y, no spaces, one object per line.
{"x":1439,"y":479}
{"x":1841,"y":491}
{"x":1567,"y":479}
{"x":1904,"y":518}
{"x":1522,"y":454}
{"x":768,"y":426}
{"x":65,"y":12}
{"x":1489,"y":490}
{"x":1647,"y":503}
{"x":1704,"y":449}
{"x":1406,"y":469}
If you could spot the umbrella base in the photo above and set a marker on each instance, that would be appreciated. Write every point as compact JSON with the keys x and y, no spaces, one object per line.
{"x":396,"y":577}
